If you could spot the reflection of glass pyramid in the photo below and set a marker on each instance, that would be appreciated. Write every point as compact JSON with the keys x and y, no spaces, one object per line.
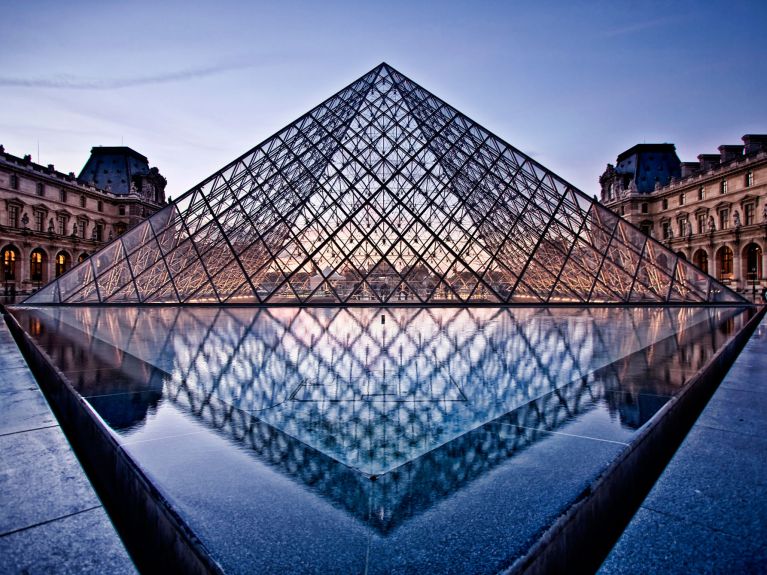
{"x":384,"y":193}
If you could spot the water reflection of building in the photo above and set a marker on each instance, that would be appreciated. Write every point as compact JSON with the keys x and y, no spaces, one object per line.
{"x":712,"y":212}
{"x":230,"y":368}
{"x":50,"y":220}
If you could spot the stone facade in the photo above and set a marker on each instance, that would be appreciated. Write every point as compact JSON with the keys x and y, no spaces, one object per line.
{"x":50,"y":221}
{"x":713,"y":213}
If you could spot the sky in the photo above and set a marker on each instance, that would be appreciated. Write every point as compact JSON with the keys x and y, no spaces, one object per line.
{"x":194,"y":85}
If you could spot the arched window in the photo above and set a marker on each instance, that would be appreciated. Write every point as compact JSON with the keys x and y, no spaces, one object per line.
{"x":700,"y":259}
{"x":36,"y":265}
{"x":63,"y":262}
{"x":10,"y":257}
{"x":724,"y":263}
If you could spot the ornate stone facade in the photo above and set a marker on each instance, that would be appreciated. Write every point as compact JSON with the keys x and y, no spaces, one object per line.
{"x":713,"y":213}
{"x":50,"y":220}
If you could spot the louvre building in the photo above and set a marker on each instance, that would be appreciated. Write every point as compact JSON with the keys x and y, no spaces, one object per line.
{"x":384,"y":194}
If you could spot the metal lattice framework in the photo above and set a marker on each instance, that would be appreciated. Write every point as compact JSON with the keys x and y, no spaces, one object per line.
{"x":384,"y":193}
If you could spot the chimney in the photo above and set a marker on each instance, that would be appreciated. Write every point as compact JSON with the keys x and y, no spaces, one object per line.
{"x":727,"y":153}
{"x":50,"y":168}
{"x":689,"y":168}
{"x":708,"y":161}
{"x":754,"y":143}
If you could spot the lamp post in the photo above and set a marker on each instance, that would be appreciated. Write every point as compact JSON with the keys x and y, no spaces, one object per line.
{"x":753,"y":275}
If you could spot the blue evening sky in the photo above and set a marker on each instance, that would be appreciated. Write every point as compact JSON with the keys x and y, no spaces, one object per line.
{"x":194,"y":85}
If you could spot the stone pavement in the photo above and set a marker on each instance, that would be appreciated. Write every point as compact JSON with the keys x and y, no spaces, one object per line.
{"x":708,"y":511}
{"x":51,"y":520}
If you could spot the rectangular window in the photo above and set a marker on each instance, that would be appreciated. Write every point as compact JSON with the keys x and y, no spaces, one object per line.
{"x":724,"y":219}
{"x":13,"y":216}
{"x":81,"y":229}
{"x":682,"y":228}
{"x":701,"y":193}
{"x":681,"y":199}
{"x":645,"y":207}
{"x":664,"y":204}
{"x":702,"y":224}
{"x":623,"y":210}
{"x":724,"y":186}
{"x":749,"y":213}
{"x":63,"y":196}
{"x":100,"y":206}
{"x":749,"y":179}
{"x":40,"y":188}
{"x":38,"y":221}
{"x":82,"y":201}
{"x":14,"y":182}
{"x":98,"y":233}
{"x":666,"y":230}
{"x":62,"y":221}
{"x":121,"y":210}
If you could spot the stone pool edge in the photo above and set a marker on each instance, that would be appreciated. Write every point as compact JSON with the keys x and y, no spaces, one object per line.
{"x":581,"y":538}
{"x":155,"y":536}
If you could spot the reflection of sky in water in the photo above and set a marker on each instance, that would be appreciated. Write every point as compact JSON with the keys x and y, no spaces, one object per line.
{"x":370,"y":388}
{"x":262,"y":427}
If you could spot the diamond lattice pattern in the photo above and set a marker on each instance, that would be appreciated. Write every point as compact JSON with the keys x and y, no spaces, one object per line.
{"x":384,"y":194}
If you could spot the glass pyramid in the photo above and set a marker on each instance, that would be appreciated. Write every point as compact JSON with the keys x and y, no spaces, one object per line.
{"x":384,"y":194}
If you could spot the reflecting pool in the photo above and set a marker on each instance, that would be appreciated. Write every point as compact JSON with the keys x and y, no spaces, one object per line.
{"x":375,"y":440}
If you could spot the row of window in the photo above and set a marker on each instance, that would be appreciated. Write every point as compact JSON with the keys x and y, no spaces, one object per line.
{"x":752,"y":262}
{"x":749,"y":181}
{"x":37,"y":259}
{"x":60,"y":226}
{"x":708,"y":224}
{"x":40,"y":191}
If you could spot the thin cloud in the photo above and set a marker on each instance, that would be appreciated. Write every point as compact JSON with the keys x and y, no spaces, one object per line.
{"x":75,"y":83}
{"x":638,"y":27}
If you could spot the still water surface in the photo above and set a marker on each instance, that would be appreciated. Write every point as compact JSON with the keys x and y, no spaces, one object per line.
{"x":370,"y":440}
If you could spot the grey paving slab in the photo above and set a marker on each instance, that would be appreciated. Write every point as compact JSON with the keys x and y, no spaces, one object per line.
{"x":40,"y":479}
{"x":737,"y":410}
{"x":718,"y":480}
{"x":10,"y":357}
{"x":23,"y":409}
{"x":665,"y":544}
{"x":82,"y":543}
